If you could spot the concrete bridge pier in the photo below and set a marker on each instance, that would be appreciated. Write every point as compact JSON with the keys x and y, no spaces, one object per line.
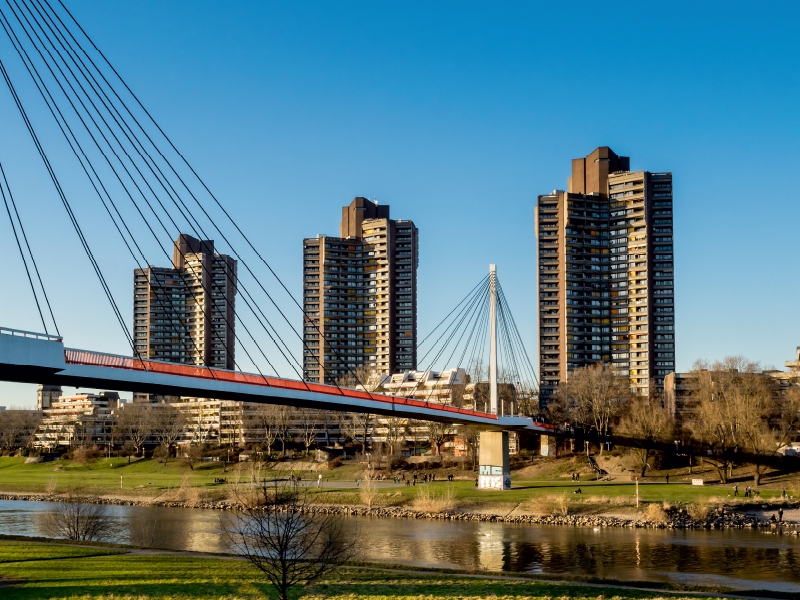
{"x":494,"y":469}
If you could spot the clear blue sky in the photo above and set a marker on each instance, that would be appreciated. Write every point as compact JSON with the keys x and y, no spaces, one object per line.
{"x":456,"y":114}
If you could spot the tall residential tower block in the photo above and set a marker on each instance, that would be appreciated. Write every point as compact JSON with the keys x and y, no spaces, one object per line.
{"x":606,"y":274}
{"x":185,"y":313}
{"x":360,"y":295}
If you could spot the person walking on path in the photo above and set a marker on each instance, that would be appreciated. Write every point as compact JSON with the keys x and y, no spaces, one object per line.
{"x":736,"y":489}
{"x":780,"y":514}
{"x":319,"y":480}
{"x":667,"y":477}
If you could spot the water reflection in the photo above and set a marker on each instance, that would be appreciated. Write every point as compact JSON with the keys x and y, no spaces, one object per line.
{"x":741,"y":558}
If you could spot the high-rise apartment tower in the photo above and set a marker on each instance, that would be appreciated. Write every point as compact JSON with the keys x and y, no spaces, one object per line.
{"x":606,"y":274}
{"x":185,"y":314}
{"x":360,"y":295}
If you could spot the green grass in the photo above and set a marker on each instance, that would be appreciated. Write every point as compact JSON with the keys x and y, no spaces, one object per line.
{"x":45,"y":571}
{"x":149,"y":478}
{"x":16,"y":551}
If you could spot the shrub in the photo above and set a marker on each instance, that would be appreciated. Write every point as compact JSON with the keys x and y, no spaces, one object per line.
{"x":548,"y":505}
{"x":398,"y":464}
{"x":655,"y":513}
{"x":429,"y":501}
{"x":86,"y":455}
{"x":698,"y":510}
{"x":74,"y":519}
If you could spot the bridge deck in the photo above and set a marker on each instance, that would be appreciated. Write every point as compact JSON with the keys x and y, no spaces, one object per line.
{"x":33,"y":358}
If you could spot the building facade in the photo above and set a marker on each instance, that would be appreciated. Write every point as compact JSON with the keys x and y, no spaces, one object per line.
{"x":79,"y":420}
{"x":360,"y":295}
{"x":606,"y":274}
{"x":46,"y":395}
{"x":185,"y":313}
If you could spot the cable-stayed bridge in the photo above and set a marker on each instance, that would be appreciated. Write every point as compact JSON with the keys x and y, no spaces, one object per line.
{"x":131,"y":171}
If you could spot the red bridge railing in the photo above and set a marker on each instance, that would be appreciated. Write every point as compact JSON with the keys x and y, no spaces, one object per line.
{"x":97,"y":359}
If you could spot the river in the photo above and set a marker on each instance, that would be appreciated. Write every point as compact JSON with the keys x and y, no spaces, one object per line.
{"x":742,"y":559}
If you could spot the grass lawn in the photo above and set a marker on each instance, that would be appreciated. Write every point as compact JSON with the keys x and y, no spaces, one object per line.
{"x":49,"y":571}
{"x":149,"y":478}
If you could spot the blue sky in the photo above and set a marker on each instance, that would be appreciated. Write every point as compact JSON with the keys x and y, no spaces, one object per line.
{"x":457,"y":115}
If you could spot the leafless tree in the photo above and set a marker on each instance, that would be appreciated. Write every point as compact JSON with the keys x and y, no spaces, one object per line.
{"x":358,"y":427}
{"x":278,"y":533}
{"x":472,"y":436}
{"x":733,"y":405}
{"x":528,"y":401}
{"x":362,"y":377}
{"x":396,"y":430}
{"x":17,"y":427}
{"x":267,"y":417}
{"x":648,"y":422}
{"x":596,"y":396}
{"x":73,"y":518}
{"x":168,"y":424}
{"x":192,"y":454}
{"x":282,"y":424}
{"x":309,"y":421}
{"x":438,"y":433}
{"x":135,"y":423}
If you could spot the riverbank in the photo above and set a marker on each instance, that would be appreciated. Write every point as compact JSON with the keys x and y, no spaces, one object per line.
{"x":542,"y":494}
{"x":102,"y":572}
{"x":651,"y":516}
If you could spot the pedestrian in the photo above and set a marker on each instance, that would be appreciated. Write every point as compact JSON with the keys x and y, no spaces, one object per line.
{"x":577,"y":476}
{"x":319,"y":480}
{"x":780,"y":514}
{"x":735,"y":490}
{"x":667,"y":477}
{"x":783,"y":493}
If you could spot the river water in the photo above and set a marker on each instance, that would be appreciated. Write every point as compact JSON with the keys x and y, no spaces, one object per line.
{"x":742,"y":559}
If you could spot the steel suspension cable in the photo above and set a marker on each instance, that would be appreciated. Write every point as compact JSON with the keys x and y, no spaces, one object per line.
{"x":199,"y":179}
{"x":67,"y":207}
{"x":19,"y":245}
{"x":125,"y":128}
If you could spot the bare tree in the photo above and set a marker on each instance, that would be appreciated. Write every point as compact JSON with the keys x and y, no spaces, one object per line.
{"x":192,"y":454}
{"x":17,"y":427}
{"x":282,"y":423}
{"x":472,"y":436}
{"x":438,"y":433}
{"x":74,"y":519}
{"x":596,"y":396}
{"x":267,"y":417}
{"x":168,"y":424}
{"x":396,"y":430}
{"x":733,"y":405}
{"x":362,"y":377}
{"x":309,"y":422}
{"x":279,"y":534}
{"x":358,"y":427}
{"x":648,"y":422}
{"x":135,"y":423}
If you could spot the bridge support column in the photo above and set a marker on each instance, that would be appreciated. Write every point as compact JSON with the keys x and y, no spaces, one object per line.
{"x":494,"y":470}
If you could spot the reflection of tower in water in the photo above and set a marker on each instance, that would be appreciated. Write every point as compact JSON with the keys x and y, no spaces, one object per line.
{"x":491,"y":547}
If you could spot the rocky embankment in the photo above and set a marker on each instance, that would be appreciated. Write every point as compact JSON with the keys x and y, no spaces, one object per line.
{"x":719,"y":518}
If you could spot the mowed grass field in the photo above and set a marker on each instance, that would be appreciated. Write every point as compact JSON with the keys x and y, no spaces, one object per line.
{"x":37,"y":571}
{"x":149,"y":479}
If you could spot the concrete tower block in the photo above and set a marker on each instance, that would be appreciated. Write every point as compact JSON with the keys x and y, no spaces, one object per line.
{"x":494,"y":471}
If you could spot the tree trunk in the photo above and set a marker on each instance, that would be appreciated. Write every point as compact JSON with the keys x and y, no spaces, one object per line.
{"x":644,"y":461}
